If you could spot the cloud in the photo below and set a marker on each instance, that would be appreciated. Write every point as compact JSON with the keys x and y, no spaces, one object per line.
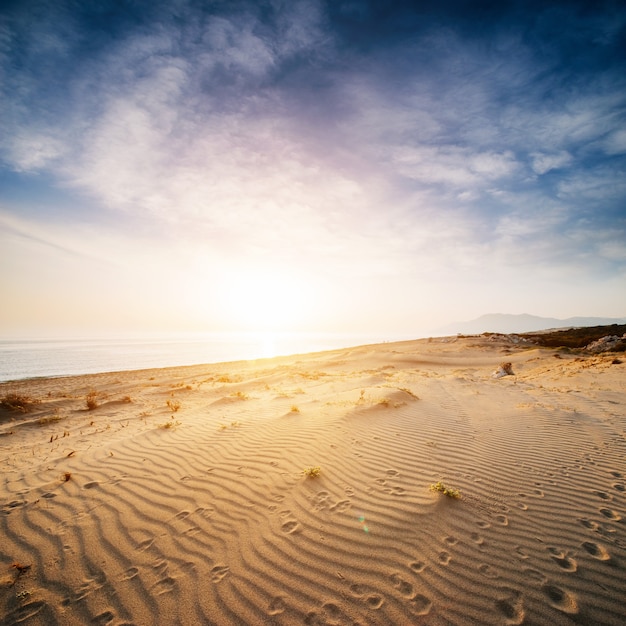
{"x":371,"y":144}
{"x":542,"y":163}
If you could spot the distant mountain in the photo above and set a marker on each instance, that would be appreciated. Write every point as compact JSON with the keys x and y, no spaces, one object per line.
{"x":507,"y":323}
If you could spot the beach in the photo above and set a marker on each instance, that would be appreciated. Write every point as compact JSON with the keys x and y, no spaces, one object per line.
{"x":298,"y":490}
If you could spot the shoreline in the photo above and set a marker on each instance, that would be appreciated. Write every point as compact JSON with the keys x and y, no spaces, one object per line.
{"x":182,"y":494}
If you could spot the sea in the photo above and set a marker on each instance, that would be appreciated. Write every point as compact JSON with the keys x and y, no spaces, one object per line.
{"x":32,"y":358}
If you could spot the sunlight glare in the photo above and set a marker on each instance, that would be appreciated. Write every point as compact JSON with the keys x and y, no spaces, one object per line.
{"x":262,"y":301}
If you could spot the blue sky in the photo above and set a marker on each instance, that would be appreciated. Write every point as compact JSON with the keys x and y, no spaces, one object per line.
{"x":307,"y":165}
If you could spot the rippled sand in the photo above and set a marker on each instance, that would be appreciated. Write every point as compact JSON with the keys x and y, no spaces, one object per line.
{"x":115,"y":518}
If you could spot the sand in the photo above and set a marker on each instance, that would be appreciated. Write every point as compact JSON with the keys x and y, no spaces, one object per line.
{"x":114,"y":518}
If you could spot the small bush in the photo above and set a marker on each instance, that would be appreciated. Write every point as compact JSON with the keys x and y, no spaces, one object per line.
{"x":174,"y":405}
{"x":18,"y":402}
{"x":312,"y":472}
{"x":447,"y":491}
{"x":295,"y":409}
{"x":91,"y":400}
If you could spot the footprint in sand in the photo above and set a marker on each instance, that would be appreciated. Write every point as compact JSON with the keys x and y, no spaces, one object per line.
{"x":145,"y":544}
{"x":444,"y":557}
{"x":341,"y":506}
{"x":205,"y":511}
{"x":106,"y":617}
{"x":596,"y":551}
{"x":483,"y":525}
{"x":421,"y":605}
{"x":417,"y":566}
{"x":487,"y":571}
{"x":612,"y":515}
{"x":321,"y":500}
{"x":165,"y":585}
{"x":560,"y":599}
{"x":330,"y":614}
{"x":372,"y":599}
{"x":276,"y":606}
{"x":589,"y":524}
{"x":478,"y":539}
{"x":91,"y":485}
{"x":130,"y":573}
{"x":23,"y":613}
{"x":290,"y":527}
{"x":619,"y":487}
{"x":562,"y":560}
{"x":404,"y":587}
{"x":219,"y":572}
{"x":182,"y":515}
{"x":520,"y":553}
{"x":617,"y":475}
{"x":603,"y":495}
{"x":451,"y":541}
{"x":510,"y":606}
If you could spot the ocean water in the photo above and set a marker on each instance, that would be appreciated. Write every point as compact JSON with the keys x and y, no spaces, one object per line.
{"x":30,"y":358}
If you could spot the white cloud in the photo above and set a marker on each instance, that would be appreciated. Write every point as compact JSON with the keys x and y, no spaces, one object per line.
{"x":542,"y":163}
{"x":31,"y":149}
{"x":615,"y":143}
{"x":453,"y":165}
{"x":232,"y":45}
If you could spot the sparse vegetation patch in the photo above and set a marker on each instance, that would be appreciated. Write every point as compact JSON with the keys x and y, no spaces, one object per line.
{"x":91,"y":400}
{"x":173,"y":405}
{"x":18,"y":402}
{"x":170,"y":425}
{"x":447,"y":491}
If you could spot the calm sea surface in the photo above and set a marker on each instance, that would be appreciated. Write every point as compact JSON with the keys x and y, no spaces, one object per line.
{"x":31,"y":358}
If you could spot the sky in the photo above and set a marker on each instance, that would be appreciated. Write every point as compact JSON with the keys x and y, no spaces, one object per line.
{"x":336,"y":166}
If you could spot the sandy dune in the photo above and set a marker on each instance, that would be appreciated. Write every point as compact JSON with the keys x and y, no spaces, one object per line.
{"x":114,"y":518}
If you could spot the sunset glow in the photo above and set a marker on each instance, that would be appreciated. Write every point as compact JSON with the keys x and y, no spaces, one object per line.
{"x":332,"y":166}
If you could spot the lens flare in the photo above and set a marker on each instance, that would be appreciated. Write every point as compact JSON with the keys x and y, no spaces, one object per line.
{"x":363,"y":524}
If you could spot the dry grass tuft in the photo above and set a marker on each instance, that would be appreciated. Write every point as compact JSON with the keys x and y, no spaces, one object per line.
{"x":18,"y":402}
{"x":174,"y":405}
{"x":91,"y":400}
{"x":241,"y":395}
{"x":170,"y":425}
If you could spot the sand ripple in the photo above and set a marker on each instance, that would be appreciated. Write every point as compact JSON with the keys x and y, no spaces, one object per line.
{"x":212,"y":521}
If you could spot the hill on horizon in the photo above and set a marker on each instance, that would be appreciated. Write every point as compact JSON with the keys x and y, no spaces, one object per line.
{"x":510,"y":323}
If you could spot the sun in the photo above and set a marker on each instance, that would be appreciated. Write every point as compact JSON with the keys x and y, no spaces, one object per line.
{"x":260,"y":300}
